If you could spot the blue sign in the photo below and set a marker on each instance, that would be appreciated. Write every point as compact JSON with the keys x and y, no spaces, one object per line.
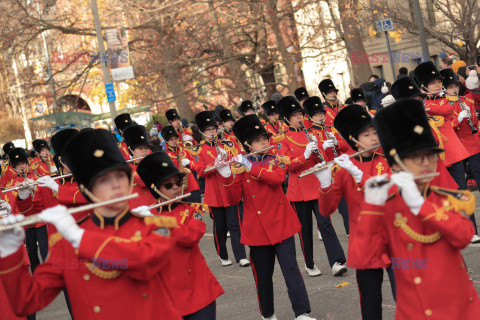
{"x":384,"y":25}
{"x":110,"y":92}
{"x":64,"y":126}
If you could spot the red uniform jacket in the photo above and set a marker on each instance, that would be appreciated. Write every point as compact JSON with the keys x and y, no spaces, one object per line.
{"x":343,"y":184}
{"x":124,"y":149}
{"x":332,"y":110}
{"x":205,"y":155}
{"x":230,"y":136}
{"x":278,"y":134}
{"x":268,"y":216}
{"x":8,"y":173}
{"x":454,"y":149}
{"x":174,"y":154}
{"x":116,"y":273}
{"x":40,"y":168}
{"x":342,"y":147}
{"x":463,"y":129}
{"x":144,"y":198}
{"x":188,"y":278}
{"x":69,"y":195}
{"x":293,"y":146}
{"x":431,"y":276}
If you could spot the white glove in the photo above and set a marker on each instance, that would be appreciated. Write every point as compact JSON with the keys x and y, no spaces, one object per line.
{"x":26,"y":189}
{"x":222,"y":154}
{"x":5,"y":206}
{"x":187,"y":138}
{"x":377,"y":195}
{"x":243,"y":161}
{"x":11,"y":240}
{"x":185,"y":162}
{"x":313,"y":138}
{"x":53,"y":169}
{"x":408,"y":188}
{"x":311,"y":147}
{"x":345,"y":162}
{"x":328,"y":144}
{"x":463,"y":115}
{"x":332,"y":138}
{"x":65,"y":224}
{"x":143,"y":211}
{"x":223,"y":168}
{"x":324,"y":175}
{"x":49,"y":182}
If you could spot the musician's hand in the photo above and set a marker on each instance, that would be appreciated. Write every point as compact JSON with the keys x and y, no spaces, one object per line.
{"x":223,"y":168}
{"x":332,"y":138}
{"x":324,"y":175}
{"x":313,"y":138}
{"x":5,"y":206}
{"x":48,"y":182}
{"x":185,"y":162}
{"x":328,"y":144}
{"x":187,"y":137}
{"x":409,"y":191}
{"x":142,"y":211}
{"x":65,"y":224}
{"x":11,"y":240}
{"x":222,"y":154}
{"x":377,"y":195}
{"x":463,"y":115}
{"x":240,"y":159}
{"x":311,"y":147}
{"x":345,"y":162}
{"x":53,"y":169}
{"x":26,"y":189}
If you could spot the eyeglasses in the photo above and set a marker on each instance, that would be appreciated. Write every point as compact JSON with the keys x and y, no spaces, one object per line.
{"x":419,"y":158}
{"x":169,"y":185}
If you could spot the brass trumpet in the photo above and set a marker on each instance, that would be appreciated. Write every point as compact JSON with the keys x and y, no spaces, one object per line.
{"x":33,"y":219}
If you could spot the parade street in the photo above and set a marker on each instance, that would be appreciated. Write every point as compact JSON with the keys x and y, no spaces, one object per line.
{"x":328,"y":301}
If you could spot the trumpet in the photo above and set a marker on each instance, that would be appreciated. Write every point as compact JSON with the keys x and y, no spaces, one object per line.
{"x":313,"y":169}
{"x":33,"y":219}
{"x":377,"y":184}
{"x":230,"y":161}
{"x":34,"y":183}
{"x":186,"y":144}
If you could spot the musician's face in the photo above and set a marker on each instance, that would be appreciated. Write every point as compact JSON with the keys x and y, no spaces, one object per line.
{"x":141,"y":151}
{"x":177,"y":124}
{"x":249,"y":111}
{"x":45,"y":153}
{"x":296,"y":119}
{"x":260,"y":143}
{"x":435,"y":85}
{"x":111,"y":185}
{"x":228,"y":125}
{"x":173,"y":142}
{"x":419,"y":163}
{"x":171,"y":188}
{"x":318,"y":117}
{"x":452,"y":90}
{"x":361,"y":103}
{"x":273,"y":117}
{"x":368,"y":138}
{"x":332,"y":95}
{"x":20,"y":167}
{"x":210,"y":131}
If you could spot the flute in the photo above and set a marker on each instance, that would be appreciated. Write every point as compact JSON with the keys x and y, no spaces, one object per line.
{"x":231,"y":160}
{"x":33,"y":219}
{"x":34,"y":183}
{"x":313,"y":169}
{"x":153,"y":206}
{"x":377,"y":184}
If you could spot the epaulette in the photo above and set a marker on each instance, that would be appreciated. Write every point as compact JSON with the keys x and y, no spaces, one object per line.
{"x":460,"y":200}
{"x":228,"y":143}
{"x":237,"y":169}
{"x":278,"y":138}
{"x":283,"y":159}
{"x":469,"y":100}
{"x":161,"y":221}
{"x":54,"y":238}
{"x":195,"y":150}
{"x":35,"y":165}
{"x":202,"y":206}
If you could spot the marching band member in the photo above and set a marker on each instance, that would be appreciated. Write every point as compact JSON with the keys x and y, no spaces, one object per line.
{"x":269,"y":222}
{"x":42,"y":164}
{"x":182,"y":160}
{"x":123,"y":121}
{"x":303,"y":194}
{"x":420,"y":225}
{"x":246,"y":108}
{"x":176,"y":122}
{"x":223,"y":210}
{"x":465,"y":124}
{"x":190,"y":282}
{"x":332,"y":104}
{"x":347,"y":180}
{"x":274,"y":125}
{"x":110,"y":253}
{"x":228,"y":120}
{"x":7,"y":171}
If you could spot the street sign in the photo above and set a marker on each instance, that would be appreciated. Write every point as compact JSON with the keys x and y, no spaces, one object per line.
{"x":110,"y":92}
{"x":384,"y":25}
{"x":65,"y":126}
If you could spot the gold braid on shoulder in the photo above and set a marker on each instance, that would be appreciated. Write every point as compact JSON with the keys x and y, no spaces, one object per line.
{"x":401,"y":222}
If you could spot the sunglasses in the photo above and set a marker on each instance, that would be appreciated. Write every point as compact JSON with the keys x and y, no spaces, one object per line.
{"x":169,"y":185}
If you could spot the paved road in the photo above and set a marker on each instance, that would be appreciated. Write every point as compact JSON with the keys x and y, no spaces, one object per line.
{"x":327,"y":301}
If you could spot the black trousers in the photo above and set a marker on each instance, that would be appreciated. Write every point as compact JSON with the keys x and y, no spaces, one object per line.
{"x":32,"y":237}
{"x":227,"y":219}
{"x":370,"y":288}
{"x":457,"y":171}
{"x":207,"y":313}
{"x":262,"y":259}
{"x":330,"y":241}
{"x":343,"y":210}
{"x":196,"y":197}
